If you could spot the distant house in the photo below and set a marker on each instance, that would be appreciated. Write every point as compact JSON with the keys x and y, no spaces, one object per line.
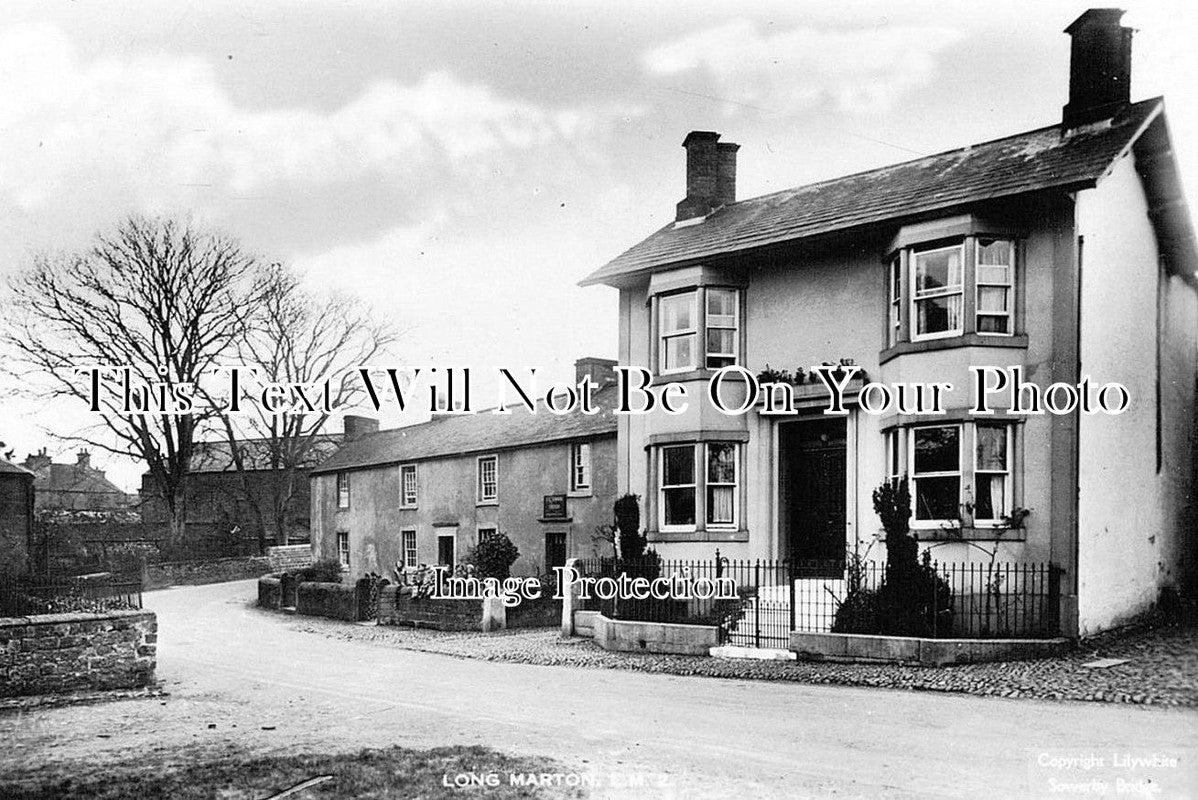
{"x":218,"y":500}
{"x":77,"y":487}
{"x":16,"y":519}
{"x":426,"y":494}
{"x":1067,"y":251}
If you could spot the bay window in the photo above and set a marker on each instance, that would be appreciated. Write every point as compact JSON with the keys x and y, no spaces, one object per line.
{"x":958,"y":472}
{"x":995,"y":270}
{"x":938,"y":294}
{"x":721,"y":328}
{"x":682,"y":484}
{"x":679,"y":329}
{"x":894,"y":284}
{"x":992,"y":473}
{"x":698,"y":329}
{"x":936,"y":472}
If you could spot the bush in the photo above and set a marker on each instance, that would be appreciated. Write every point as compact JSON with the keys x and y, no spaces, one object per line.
{"x":493,"y":557}
{"x":327,"y":570}
{"x":858,"y":613}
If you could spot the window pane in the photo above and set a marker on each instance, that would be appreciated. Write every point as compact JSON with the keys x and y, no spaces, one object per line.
{"x":991,"y":501}
{"x":937,"y":449}
{"x":937,"y":498}
{"x":994,"y":251}
{"x":677,"y":312}
{"x":720,"y":503}
{"x":992,"y":299}
{"x":678,"y":466}
{"x":721,"y":303}
{"x":679,"y":506}
{"x":721,"y":341}
{"x":679,"y":352}
{"x":939,"y":314}
{"x":992,"y":447}
{"x":994,"y":324}
{"x":937,"y":270}
{"x":992,"y":274}
{"x":721,"y":463}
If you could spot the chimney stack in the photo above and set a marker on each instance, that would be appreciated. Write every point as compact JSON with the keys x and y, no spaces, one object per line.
{"x":356,"y":426}
{"x":1099,"y":67}
{"x":84,"y":459}
{"x":710,"y":175}
{"x":601,"y":370}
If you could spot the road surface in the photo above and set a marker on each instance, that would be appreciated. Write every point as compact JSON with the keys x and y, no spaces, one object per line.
{"x":240,"y":669}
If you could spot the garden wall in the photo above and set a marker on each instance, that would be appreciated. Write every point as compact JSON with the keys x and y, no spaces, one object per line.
{"x":654,"y":637}
{"x":270,"y":592}
{"x":289,"y":557}
{"x":332,"y":600}
{"x":77,"y":652}
{"x":192,"y":573}
{"x":399,"y":608}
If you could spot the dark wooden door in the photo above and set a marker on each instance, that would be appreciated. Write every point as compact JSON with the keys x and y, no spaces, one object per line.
{"x":555,"y":550}
{"x":813,"y":494}
{"x":445,"y":549}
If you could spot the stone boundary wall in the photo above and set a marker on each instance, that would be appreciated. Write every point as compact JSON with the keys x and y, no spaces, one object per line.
{"x":913,"y":650}
{"x":400,"y":608}
{"x":77,"y":652}
{"x":270,"y":592}
{"x":633,"y":636}
{"x":332,"y":600}
{"x":195,"y":573}
{"x":288,"y":557}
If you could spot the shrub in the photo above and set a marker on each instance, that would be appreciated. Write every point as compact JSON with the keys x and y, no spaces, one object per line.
{"x":327,"y":570}
{"x":493,"y":557}
{"x":858,"y":613}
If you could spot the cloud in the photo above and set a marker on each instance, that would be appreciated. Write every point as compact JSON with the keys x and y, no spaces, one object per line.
{"x":158,"y":130}
{"x":858,"y":70}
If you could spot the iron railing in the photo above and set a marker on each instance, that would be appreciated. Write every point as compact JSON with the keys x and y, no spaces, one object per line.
{"x":774,"y":597}
{"x":27,"y":597}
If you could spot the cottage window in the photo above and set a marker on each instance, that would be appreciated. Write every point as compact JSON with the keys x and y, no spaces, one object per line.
{"x":342,"y":490}
{"x":678,"y":486}
{"x":580,"y":467}
{"x":488,"y":479}
{"x":895,"y":298}
{"x":721,"y":484}
{"x":721,"y":327}
{"x":995,"y":271}
{"x":992,"y":473}
{"x":894,"y":455}
{"x":408,"y":544}
{"x":486,"y":533}
{"x":938,"y":292}
{"x":343,"y":548}
{"x":407,"y":486}
{"x":679,"y":328}
{"x":947,"y":484}
{"x":936,"y":472}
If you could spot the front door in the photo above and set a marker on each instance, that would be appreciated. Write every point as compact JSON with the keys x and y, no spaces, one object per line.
{"x":446,"y":545}
{"x":555,"y":551}
{"x":812,"y":495}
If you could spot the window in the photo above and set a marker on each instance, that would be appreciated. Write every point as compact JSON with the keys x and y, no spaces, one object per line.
{"x":721,"y":484}
{"x":948,"y":486}
{"x":407,"y":486}
{"x":894,"y":456}
{"x":895,"y":298}
{"x":995,"y":273}
{"x":678,"y":486}
{"x":486,"y":533}
{"x":580,"y":467}
{"x":342,"y":490}
{"x":343,"y":548}
{"x":488,"y":479}
{"x":679,"y":326}
{"x":721,"y":327}
{"x":992,"y":473}
{"x":937,"y":292}
{"x":408,"y":544}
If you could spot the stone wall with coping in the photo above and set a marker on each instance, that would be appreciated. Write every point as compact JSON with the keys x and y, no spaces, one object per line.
{"x":194,"y":573}
{"x":77,"y":652}
{"x":289,"y":557}
{"x":398,"y":607}
{"x":331,"y":600}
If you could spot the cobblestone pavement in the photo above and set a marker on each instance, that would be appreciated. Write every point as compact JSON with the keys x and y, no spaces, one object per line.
{"x":1161,"y":668}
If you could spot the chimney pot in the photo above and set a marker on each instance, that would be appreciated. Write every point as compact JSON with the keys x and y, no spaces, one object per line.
{"x":1099,"y":67}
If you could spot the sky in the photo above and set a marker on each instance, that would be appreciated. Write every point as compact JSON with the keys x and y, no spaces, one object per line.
{"x":460,"y":166}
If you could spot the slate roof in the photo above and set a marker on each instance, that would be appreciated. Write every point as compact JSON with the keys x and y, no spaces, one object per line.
{"x":475,"y":433}
{"x":215,"y":456}
{"x":7,"y":468}
{"x":1025,"y":162}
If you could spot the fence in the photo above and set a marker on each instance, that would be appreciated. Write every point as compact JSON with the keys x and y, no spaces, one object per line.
{"x":774,"y":597}
{"x":91,"y":594}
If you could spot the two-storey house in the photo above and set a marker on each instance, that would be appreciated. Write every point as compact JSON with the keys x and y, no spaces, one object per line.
{"x":1067,"y":251}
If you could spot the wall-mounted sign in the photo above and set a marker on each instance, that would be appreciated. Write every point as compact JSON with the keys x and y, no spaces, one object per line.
{"x":555,"y":507}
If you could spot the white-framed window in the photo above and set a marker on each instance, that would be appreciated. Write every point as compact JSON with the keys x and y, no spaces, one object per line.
{"x":991,"y":473}
{"x":408,"y":495}
{"x":935,"y":458}
{"x":678,"y":321}
{"x":894,"y":291}
{"x":407,"y":541}
{"x":580,"y":467}
{"x":488,"y":479}
{"x":677,"y":482}
{"x":343,"y":548}
{"x":894,"y":455}
{"x":486,"y":533}
{"x":995,"y":273}
{"x":721,"y":484}
{"x":937,"y":292}
{"x":342,"y":490}
{"x":722,"y":327}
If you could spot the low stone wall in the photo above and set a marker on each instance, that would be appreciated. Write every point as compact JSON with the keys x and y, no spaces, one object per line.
{"x":77,"y":652}
{"x":543,"y":613}
{"x":913,"y":650}
{"x":193,"y":573}
{"x":654,"y":637}
{"x":270,"y":592}
{"x":332,"y":600}
{"x":289,"y":557}
{"x":584,"y":623}
{"x":397,"y":607}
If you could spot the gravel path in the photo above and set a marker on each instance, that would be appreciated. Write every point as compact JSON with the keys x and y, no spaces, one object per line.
{"x":1162,"y":667}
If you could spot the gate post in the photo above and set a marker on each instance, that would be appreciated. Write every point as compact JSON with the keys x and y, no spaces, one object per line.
{"x":569,"y":598}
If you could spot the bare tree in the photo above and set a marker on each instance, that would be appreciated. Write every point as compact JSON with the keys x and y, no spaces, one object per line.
{"x":156,"y":296}
{"x":296,"y":337}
